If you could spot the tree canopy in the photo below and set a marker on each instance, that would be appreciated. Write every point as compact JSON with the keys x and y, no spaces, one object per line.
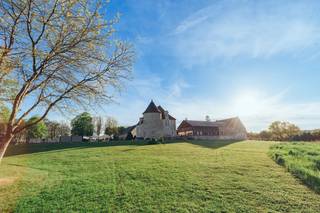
{"x":283,"y":130}
{"x":82,"y":125}
{"x":278,"y":131}
{"x":55,"y":54}
{"x":56,"y":129}
{"x":38,"y":130}
{"x":4,"y":114}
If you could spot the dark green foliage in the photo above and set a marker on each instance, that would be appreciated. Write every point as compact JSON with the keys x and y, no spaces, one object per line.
{"x":301,"y":159}
{"x":129,"y":136}
{"x":111,"y":131}
{"x":121,"y":130}
{"x":153,"y":141}
{"x":38,"y":130}
{"x":82,"y":125}
{"x":308,"y":136}
{"x":111,"y":127}
{"x":318,"y":164}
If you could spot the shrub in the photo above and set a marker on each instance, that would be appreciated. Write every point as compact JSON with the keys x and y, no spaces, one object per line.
{"x":153,"y":141}
{"x":301,"y":159}
{"x":317,"y":163}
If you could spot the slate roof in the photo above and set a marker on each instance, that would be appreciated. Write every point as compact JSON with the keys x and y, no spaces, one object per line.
{"x":130,"y":128}
{"x":171,"y":118}
{"x":163,"y":115}
{"x":152,"y":108}
{"x":162,"y":111}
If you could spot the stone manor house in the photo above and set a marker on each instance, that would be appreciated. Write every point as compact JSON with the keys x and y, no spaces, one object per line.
{"x":158,"y":123}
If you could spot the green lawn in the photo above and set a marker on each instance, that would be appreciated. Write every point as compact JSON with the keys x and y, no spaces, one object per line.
{"x":301,"y":159}
{"x":176,"y":177}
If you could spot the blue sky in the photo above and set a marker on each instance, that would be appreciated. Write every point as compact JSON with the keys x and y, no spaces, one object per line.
{"x":258,"y":60}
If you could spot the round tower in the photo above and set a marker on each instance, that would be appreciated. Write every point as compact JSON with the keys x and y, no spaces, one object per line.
{"x":152,"y":123}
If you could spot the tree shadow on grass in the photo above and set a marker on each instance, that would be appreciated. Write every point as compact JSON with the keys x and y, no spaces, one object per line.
{"x":21,"y":149}
{"x":213,"y":144}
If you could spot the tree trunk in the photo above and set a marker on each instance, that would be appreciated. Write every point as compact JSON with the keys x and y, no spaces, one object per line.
{"x":4,"y":143}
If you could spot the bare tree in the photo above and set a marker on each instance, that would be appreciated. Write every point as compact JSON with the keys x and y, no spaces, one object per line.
{"x":52,"y":127}
{"x":111,"y":126}
{"x":98,"y":125}
{"x":56,"y":129}
{"x":62,"y":54}
{"x":63,"y":129}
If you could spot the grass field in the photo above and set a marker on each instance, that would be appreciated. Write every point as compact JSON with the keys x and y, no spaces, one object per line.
{"x":177,"y":177}
{"x":301,"y":159}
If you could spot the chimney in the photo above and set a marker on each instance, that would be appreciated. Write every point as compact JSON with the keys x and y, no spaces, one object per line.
{"x":166,"y":114}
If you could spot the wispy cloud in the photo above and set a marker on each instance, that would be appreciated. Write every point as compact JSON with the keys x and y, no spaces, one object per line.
{"x":257,"y":110}
{"x":180,"y":46}
{"x":143,"y":40}
{"x":175,"y":90}
{"x":192,"y":21}
{"x":246,"y":29}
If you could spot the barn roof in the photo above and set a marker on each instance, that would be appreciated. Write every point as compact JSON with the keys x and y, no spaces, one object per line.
{"x":210,"y":123}
{"x":202,"y":123}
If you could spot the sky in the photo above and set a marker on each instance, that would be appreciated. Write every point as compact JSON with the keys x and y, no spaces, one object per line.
{"x":258,"y":60}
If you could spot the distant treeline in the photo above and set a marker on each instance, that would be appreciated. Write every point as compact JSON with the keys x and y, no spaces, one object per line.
{"x":285,"y":131}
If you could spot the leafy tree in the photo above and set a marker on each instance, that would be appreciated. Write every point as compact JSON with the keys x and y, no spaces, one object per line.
{"x":82,"y":125}
{"x":283,"y":130}
{"x":121,"y":130}
{"x":4,"y":114}
{"x":52,"y":127}
{"x":63,"y":53}
{"x":111,"y":126}
{"x":265,"y":135}
{"x":38,"y":130}
{"x":56,"y":129}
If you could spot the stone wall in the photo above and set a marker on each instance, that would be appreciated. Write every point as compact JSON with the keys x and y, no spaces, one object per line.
{"x":71,"y":138}
{"x":151,"y":127}
{"x":62,"y":139}
{"x":155,"y":127}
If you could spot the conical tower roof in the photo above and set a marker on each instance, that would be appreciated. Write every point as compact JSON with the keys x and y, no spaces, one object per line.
{"x":152,"y":108}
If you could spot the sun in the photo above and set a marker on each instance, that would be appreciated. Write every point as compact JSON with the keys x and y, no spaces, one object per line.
{"x":248,"y":103}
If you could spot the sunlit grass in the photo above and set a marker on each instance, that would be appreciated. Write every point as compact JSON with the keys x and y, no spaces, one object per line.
{"x":192,"y":176}
{"x":301,"y":159}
